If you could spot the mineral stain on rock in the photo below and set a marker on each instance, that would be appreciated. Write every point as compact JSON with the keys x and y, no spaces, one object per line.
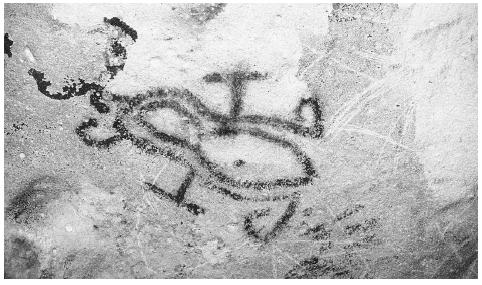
{"x":7,"y":44}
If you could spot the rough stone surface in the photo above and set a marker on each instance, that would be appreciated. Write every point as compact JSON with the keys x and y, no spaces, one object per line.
{"x":395,"y":191}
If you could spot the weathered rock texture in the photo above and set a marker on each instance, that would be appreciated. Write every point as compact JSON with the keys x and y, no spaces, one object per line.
{"x":382,"y":97}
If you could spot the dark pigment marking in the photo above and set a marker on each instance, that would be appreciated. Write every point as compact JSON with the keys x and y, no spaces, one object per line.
{"x":46,"y":274}
{"x":7,"y":44}
{"x":19,"y":126}
{"x":349,"y":212}
{"x":308,"y":212}
{"x":318,"y":232}
{"x":133,"y":110}
{"x":82,"y":87}
{"x":116,"y":22}
{"x":360,"y":236}
{"x":283,"y":221}
{"x":325,"y":247}
{"x":357,"y":228}
{"x":363,"y":230}
{"x":201,"y":159}
{"x":118,"y":49}
{"x":16,"y":128}
{"x":72,"y":90}
{"x":279,"y":225}
{"x":239,"y":163}
{"x":314,"y":267}
{"x":179,"y":197}
{"x":237,"y":83}
{"x":248,"y":222}
{"x":316,"y":131}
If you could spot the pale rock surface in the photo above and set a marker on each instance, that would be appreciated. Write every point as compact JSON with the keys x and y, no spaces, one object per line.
{"x":438,"y":51}
{"x":175,"y":51}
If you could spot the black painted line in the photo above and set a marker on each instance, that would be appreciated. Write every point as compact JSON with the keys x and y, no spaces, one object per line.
{"x":177,"y":99}
{"x":283,"y":221}
{"x":181,"y":192}
{"x":191,"y":207}
{"x":219,"y":175}
{"x":7,"y":44}
{"x":280,"y":224}
{"x":315,"y":131}
{"x":248,"y":223}
{"x":74,"y":89}
{"x":238,"y":197}
{"x":116,"y":22}
{"x":68,"y":91}
{"x":81,"y":131}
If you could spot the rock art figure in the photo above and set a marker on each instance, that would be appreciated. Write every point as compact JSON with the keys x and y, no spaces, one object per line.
{"x":211,"y":137}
